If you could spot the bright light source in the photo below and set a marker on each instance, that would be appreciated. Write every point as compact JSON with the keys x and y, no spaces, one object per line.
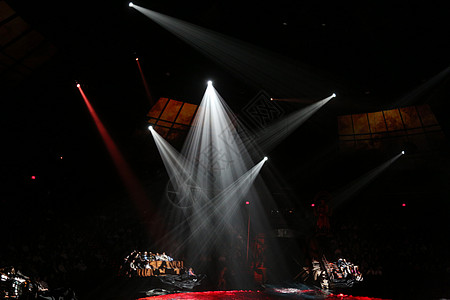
{"x":404,"y":204}
{"x":78,"y":85}
{"x":334,"y":95}
{"x":33,"y":177}
{"x":266,"y":158}
{"x":247,"y":202}
{"x":403,"y":152}
{"x":130,"y":4}
{"x":150,"y":127}
{"x":312,"y":204}
{"x":137,"y":58}
{"x":209,"y":82}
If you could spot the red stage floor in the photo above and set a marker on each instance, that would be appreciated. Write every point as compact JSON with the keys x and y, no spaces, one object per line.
{"x":282,"y":294}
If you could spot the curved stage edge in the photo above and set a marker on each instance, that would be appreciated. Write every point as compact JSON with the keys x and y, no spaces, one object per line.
{"x":298,"y":294}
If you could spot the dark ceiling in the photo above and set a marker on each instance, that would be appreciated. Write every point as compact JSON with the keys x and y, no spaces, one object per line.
{"x":380,"y":51}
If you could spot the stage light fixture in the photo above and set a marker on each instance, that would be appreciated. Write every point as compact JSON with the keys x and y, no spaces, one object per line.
{"x":334,"y":95}
{"x":78,"y":85}
{"x":130,"y":4}
{"x":265,"y":158}
{"x":150,"y":127}
{"x":209,"y":82}
{"x":137,"y":58}
{"x":403,"y":152}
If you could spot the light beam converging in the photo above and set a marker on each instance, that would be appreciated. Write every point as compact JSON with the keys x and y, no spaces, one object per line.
{"x":209,"y":181}
{"x":277,"y":75}
{"x":135,"y":190}
{"x":357,"y":185}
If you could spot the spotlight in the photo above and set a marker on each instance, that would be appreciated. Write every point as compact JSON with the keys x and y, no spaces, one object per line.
{"x":265,"y":158}
{"x":334,"y":95}
{"x":403,"y":152}
{"x":78,"y":85}
{"x":137,"y":58}
{"x":150,"y":127}
{"x":130,"y":4}
{"x":209,"y":82}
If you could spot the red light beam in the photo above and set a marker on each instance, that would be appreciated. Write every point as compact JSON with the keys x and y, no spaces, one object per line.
{"x":144,"y":81}
{"x":130,"y":180}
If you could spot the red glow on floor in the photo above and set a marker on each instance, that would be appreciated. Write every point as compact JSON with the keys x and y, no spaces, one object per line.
{"x":144,"y":81}
{"x":214,"y":295}
{"x":131,"y":182}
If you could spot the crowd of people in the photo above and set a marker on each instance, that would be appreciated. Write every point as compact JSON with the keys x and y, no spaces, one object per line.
{"x":391,"y":252}
{"x":61,"y":252}
{"x":73,"y":254}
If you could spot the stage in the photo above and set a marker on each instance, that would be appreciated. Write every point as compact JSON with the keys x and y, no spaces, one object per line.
{"x":286,"y":293}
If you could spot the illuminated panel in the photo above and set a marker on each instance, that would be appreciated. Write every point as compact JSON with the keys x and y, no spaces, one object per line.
{"x":5,"y":11}
{"x":393,"y":121}
{"x":157,"y":109}
{"x":172,"y":119}
{"x":427,"y":116}
{"x":40,"y":55}
{"x":361,"y":126}
{"x":22,"y":49}
{"x":171,"y":111}
{"x":376,"y":121}
{"x":188,"y":113}
{"x":12,"y":30}
{"x":410,"y":117}
{"x":413,"y":125}
{"x":345,"y":125}
{"x":346,"y":133}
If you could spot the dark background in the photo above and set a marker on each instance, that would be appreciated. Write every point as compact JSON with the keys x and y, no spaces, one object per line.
{"x":380,"y":51}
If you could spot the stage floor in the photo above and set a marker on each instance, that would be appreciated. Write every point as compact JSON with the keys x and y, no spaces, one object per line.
{"x":273,"y":295}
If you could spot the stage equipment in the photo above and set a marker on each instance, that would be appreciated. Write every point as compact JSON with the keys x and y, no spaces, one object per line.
{"x":172,"y":119}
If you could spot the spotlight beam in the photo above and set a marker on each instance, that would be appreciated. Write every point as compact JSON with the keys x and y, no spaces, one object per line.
{"x":274,"y":134}
{"x":236,"y":191}
{"x":278,"y":75}
{"x":144,"y":81}
{"x":212,"y":174}
{"x":131,"y":182}
{"x":357,"y":185}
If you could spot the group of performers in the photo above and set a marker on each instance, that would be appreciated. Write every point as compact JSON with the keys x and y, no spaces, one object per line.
{"x":15,"y":285}
{"x":137,"y":261}
{"x":332,"y":275}
{"x":141,"y":260}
